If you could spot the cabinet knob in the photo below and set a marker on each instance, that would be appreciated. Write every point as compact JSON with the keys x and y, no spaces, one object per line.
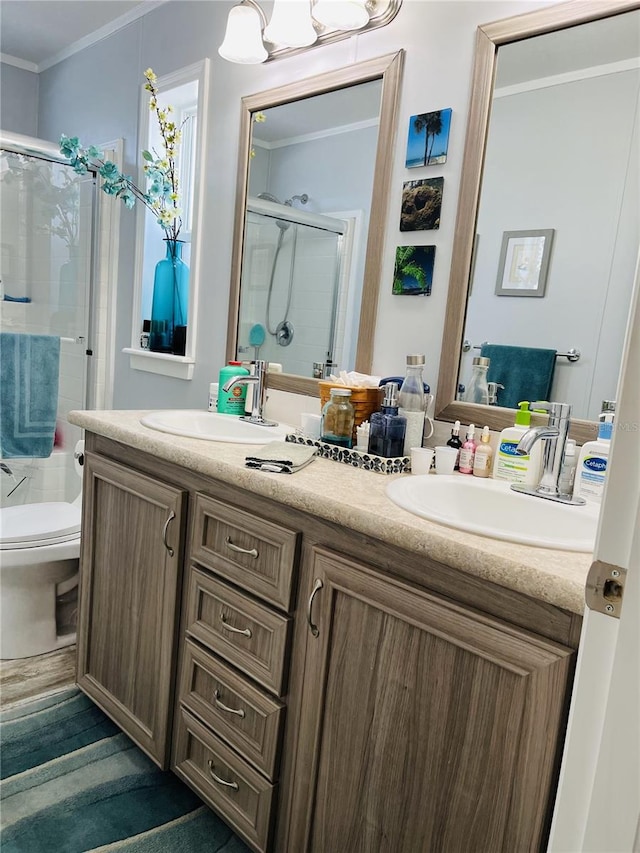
{"x":246,"y":632}
{"x":165,"y":530}
{"x":317,"y":586}
{"x":237,"y":711}
{"x":252,"y":552}
{"x":233,"y":785}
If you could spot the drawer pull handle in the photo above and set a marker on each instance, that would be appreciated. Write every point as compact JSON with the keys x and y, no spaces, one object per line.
{"x":250,"y":551}
{"x":317,"y":586}
{"x":165,"y":530}
{"x":220,"y":704}
{"x":246,"y":632}
{"x":233,"y":785}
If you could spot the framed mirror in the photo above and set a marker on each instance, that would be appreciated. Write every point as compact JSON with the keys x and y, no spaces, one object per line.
{"x":531,"y":221}
{"x":306,"y":262}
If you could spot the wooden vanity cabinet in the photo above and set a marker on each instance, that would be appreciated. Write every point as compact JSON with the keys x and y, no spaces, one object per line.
{"x":130,"y":575}
{"x":335,"y":694}
{"x":422,"y":726}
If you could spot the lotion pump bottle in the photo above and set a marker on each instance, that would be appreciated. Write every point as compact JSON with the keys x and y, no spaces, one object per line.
{"x":509,"y":465}
{"x":455,"y":442}
{"x":388,"y":428}
{"x":483,"y":460}
{"x":591,"y":472}
{"x":468,"y":451}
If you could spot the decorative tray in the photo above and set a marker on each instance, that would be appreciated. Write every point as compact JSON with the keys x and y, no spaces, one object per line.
{"x":355,"y":458}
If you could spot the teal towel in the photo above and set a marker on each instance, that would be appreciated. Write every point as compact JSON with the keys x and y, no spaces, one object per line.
{"x":525,"y":372}
{"x":30,"y":366}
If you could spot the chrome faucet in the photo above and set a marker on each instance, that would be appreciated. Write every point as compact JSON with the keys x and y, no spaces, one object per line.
{"x":259,"y":379}
{"x":555,"y":433}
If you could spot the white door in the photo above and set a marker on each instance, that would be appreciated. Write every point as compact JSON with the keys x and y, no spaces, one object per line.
{"x":598,"y":803}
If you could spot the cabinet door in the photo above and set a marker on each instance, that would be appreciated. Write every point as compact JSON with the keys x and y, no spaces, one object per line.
{"x":129,"y":575}
{"x":423,"y":726}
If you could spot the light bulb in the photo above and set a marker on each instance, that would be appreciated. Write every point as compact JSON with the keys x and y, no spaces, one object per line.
{"x":341,"y":14}
{"x":243,"y":37}
{"x":291,"y":24}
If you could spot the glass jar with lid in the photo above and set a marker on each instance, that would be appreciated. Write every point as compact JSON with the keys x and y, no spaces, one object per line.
{"x":478,"y":389}
{"x":338,"y":418}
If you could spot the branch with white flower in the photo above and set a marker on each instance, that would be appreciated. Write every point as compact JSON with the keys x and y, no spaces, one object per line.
{"x":162,"y":196}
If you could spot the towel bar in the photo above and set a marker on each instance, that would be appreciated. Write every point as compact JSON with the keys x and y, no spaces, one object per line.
{"x":571,"y":355}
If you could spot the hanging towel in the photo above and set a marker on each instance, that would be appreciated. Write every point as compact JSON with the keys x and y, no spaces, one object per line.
{"x":30,"y":366}
{"x":525,"y":372}
{"x":281,"y":457}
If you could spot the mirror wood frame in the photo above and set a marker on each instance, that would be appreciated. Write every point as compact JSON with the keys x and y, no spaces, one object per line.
{"x":387,"y":68}
{"x":488,"y":38}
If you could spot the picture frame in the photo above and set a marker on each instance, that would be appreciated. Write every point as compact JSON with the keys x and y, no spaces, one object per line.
{"x":428,"y":139}
{"x":524,"y":263}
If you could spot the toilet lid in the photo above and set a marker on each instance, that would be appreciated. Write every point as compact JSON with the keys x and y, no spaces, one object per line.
{"x":30,"y":525}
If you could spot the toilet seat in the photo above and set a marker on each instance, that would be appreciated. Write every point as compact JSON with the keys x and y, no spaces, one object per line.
{"x":35,"y":525}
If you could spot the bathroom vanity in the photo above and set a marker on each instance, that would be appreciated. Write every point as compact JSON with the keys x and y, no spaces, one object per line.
{"x":326,"y":671}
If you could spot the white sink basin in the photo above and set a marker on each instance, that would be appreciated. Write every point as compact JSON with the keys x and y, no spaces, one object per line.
{"x":491,"y":508}
{"x":212,"y":426}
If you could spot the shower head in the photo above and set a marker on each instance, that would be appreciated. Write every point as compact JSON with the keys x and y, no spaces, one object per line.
{"x":269,"y":197}
{"x":282,"y":225}
{"x":303,"y":199}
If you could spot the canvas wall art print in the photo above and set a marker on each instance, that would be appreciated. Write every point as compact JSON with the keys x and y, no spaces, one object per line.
{"x":421,"y":204}
{"x":428,"y":140}
{"x":413,"y":271}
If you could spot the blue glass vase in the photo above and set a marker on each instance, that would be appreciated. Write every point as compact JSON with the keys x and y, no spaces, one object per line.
{"x":170,"y":305}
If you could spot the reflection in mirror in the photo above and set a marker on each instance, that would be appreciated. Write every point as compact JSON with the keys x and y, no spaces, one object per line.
{"x":311,"y":207}
{"x":548,"y":177}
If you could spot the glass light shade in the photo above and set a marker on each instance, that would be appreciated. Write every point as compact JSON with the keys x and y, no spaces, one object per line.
{"x":341,"y":14}
{"x":291,"y":24}
{"x":243,"y":37}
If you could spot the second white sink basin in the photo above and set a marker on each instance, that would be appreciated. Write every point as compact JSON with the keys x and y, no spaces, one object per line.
{"x":211,"y":426}
{"x":491,"y":508}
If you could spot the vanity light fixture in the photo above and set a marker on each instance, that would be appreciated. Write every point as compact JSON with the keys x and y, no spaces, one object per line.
{"x":296,"y":25}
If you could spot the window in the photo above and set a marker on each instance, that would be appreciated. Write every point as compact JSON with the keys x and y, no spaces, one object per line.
{"x":185,"y":90}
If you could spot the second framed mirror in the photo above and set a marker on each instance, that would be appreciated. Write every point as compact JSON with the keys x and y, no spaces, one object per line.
{"x":312,"y":198}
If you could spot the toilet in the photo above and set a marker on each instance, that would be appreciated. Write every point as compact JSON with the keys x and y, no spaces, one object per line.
{"x":39,"y":558}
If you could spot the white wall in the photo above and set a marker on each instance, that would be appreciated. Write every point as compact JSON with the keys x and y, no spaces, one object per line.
{"x":95,"y":95}
{"x":18,"y":100}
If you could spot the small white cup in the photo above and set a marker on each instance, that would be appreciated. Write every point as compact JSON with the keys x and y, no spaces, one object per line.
{"x":421,"y":459}
{"x":310,"y":424}
{"x":445,"y":459}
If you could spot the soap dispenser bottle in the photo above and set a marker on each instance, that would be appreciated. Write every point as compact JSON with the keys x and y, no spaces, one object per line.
{"x":508,"y":463}
{"x":388,"y":428}
{"x":455,"y":442}
{"x":468,"y":451}
{"x":591,"y":472}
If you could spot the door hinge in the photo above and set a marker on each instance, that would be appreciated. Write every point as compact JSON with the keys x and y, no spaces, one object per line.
{"x":605,"y":588}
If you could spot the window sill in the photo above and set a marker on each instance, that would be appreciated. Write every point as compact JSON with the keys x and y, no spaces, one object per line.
{"x":176,"y":366}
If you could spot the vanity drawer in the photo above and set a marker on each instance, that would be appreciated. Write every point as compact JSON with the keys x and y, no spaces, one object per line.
{"x":236,"y":711}
{"x":224,"y":781}
{"x":243,"y":632}
{"x":253,"y":553}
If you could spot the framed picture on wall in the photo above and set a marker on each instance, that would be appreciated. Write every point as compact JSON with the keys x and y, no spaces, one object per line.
{"x":413,"y":270}
{"x":428,"y":139}
{"x":421,"y":204}
{"x":524,"y":263}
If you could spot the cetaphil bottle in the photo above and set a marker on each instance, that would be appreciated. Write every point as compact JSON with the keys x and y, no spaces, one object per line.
{"x":591,"y":472}
{"x":508,"y":464}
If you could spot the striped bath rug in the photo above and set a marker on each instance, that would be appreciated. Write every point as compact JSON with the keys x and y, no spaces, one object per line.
{"x":73,"y":782}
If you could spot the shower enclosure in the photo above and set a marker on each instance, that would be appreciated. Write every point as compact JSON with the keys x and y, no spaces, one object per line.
{"x":293,"y":275}
{"x":47,"y":213}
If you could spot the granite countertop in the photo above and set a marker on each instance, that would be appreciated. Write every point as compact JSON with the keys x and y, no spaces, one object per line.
{"x":356,"y":499}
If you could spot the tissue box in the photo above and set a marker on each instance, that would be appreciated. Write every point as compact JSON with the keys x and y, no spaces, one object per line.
{"x":365,"y":401}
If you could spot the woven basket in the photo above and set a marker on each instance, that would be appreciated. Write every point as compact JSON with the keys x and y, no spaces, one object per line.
{"x":365,"y":401}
